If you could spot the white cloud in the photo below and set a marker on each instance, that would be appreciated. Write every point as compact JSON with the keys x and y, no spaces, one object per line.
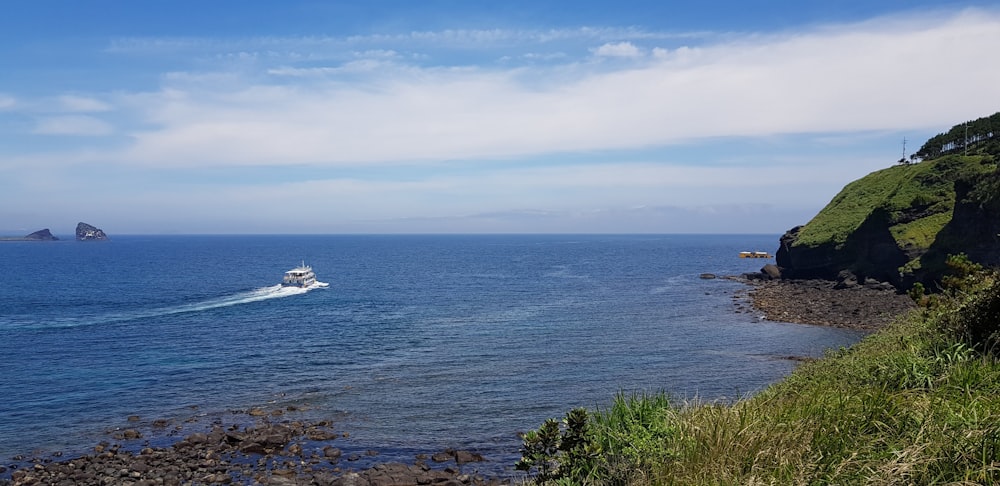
{"x":853,"y":77}
{"x":72,"y":125}
{"x":377,"y":54}
{"x":7,"y":102}
{"x":82,"y":104}
{"x":660,"y":53}
{"x":618,"y":49}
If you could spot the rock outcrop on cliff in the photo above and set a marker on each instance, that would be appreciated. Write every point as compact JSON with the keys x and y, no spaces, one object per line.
{"x":899,"y":224}
{"x":974,"y":228}
{"x":86,"y":232}
{"x":41,"y":235}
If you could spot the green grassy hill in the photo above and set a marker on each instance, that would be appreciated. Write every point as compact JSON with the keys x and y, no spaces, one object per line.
{"x":918,"y":197}
{"x":884,"y":224}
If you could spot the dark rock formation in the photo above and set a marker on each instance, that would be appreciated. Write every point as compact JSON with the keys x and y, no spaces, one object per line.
{"x":264,"y":452}
{"x":863,"y":305}
{"x":86,"y":232}
{"x":974,"y":228}
{"x":870,"y":252}
{"x":41,"y":235}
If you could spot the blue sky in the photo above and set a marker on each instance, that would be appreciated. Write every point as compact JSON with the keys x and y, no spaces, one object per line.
{"x":470,"y":117}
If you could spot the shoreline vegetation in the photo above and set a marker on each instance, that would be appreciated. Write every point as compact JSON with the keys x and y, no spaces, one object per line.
{"x":915,"y":402}
{"x":912,"y":402}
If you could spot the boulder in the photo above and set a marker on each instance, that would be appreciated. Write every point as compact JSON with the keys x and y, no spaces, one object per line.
{"x":771,"y":271}
{"x":463,"y":457}
{"x":846,"y":279}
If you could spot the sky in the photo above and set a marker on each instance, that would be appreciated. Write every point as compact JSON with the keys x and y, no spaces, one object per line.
{"x":324,"y":117}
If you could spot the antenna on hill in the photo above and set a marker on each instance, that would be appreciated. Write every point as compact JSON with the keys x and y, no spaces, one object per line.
{"x":903,"y":160}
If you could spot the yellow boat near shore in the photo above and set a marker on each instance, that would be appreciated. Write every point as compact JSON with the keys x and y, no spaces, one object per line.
{"x":754,"y":254}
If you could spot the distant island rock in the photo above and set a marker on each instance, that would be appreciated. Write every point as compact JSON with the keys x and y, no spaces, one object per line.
{"x":86,"y":232}
{"x":41,"y":235}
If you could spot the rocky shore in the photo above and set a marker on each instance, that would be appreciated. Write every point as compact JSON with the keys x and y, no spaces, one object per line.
{"x":265,"y":447}
{"x":864,"y":306}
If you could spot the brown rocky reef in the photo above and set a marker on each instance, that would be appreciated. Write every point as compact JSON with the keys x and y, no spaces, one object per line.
{"x":859,"y":306}
{"x":271,"y":450}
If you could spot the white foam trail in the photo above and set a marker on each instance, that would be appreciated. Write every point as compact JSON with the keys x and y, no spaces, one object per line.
{"x":256,"y":295}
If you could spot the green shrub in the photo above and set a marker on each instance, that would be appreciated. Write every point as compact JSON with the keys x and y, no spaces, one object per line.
{"x":563,"y":453}
{"x":978,"y":320}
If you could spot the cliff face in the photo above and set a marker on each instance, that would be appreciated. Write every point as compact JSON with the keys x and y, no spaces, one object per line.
{"x":974,"y":228}
{"x":897,"y":225}
{"x":86,"y":232}
{"x":869,"y":252}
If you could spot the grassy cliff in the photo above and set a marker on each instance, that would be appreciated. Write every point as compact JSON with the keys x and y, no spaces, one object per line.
{"x":919,"y":199}
{"x":885,"y":224}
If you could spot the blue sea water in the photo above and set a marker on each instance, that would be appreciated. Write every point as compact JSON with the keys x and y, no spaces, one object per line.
{"x":419,"y":343}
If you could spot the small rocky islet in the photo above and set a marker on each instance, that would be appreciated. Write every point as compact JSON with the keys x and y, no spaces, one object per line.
{"x":40,"y":235}
{"x":84,"y":232}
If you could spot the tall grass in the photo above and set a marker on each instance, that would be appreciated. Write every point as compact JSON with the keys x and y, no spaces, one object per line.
{"x":635,"y":434}
{"x":917,"y":403}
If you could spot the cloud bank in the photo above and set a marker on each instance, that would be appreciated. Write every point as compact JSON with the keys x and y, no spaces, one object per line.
{"x":577,"y":130}
{"x":878,"y":75}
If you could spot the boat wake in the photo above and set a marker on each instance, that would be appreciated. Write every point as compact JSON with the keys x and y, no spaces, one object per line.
{"x":256,"y":295}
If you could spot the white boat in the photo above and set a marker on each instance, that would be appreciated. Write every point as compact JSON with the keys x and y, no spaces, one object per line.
{"x":300,"y":276}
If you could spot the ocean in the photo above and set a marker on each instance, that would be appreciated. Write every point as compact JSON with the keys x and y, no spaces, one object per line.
{"x":419,"y":343}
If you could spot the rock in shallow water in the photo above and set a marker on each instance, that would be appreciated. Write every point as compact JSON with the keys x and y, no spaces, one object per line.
{"x":253,"y":454}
